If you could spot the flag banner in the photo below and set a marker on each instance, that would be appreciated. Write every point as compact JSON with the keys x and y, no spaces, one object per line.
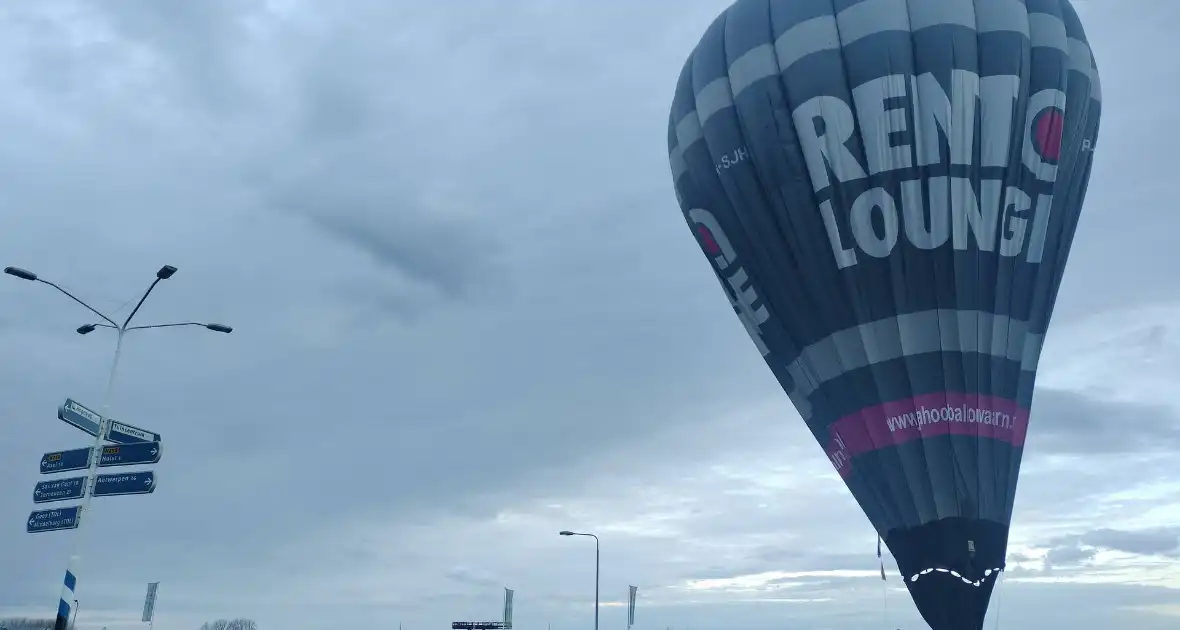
{"x":631,"y":606}
{"x":149,"y":602}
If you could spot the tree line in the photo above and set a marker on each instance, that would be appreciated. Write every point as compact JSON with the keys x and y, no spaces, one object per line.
{"x":230,"y":624}
{"x":47,"y":624}
{"x":26,"y":623}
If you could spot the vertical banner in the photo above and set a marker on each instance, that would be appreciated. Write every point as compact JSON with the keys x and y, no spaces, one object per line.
{"x":66,"y":603}
{"x":149,"y":602}
{"x":508,"y":609}
{"x":631,"y":606}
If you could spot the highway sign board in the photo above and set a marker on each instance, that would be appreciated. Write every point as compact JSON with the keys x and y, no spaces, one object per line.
{"x":79,"y":415}
{"x":59,"y":490}
{"x":130,"y":454}
{"x":53,"y":520}
{"x":65,"y":461}
{"x":119,"y":484}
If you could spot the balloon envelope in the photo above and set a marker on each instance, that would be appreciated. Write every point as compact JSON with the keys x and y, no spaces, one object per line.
{"x":887,"y":191}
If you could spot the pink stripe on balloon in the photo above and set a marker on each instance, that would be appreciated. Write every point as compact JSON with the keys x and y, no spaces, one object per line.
{"x":946,"y":413}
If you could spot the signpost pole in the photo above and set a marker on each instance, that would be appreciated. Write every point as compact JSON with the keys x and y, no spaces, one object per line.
{"x":125,"y":434}
{"x":63,"y":609}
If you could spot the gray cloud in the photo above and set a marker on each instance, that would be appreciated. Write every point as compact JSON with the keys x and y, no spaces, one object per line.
{"x":1162,"y":541}
{"x":1071,"y":555}
{"x":450,"y":258}
{"x":1080,"y":549}
{"x":1071,"y":422}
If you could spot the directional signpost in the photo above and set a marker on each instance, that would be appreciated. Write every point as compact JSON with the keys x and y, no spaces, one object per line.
{"x":130,"y":454}
{"x":59,"y":490}
{"x":131,"y":446}
{"x":102,"y":430}
{"x":78,"y":415}
{"x":53,"y":520}
{"x":65,"y":461}
{"x":117,"y":455}
{"x":121,"y":433}
{"x":82,"y":417}
{"x":119,"y":484}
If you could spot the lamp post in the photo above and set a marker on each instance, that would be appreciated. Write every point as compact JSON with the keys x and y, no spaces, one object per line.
{"x":165,"y":272}
{"x":597,"y":564}
{"x":74,"y":623}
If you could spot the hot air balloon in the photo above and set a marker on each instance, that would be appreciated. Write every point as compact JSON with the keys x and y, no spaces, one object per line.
{"x":887,"y":191}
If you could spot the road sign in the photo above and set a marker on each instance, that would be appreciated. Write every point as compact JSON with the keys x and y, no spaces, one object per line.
{"x":119,"y":484}
{"x":122,"y":433}
{"x":86,"y":419}
{"x":59,"y":490}
{"x":130,"y":454}
{"x":72,"y":412}
{"x":53,"y":520}
{"x":65,"y":461}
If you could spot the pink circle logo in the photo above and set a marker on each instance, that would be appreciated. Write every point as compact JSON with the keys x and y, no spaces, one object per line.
{"x":1047,"y":131}
{"x":708,"y":242}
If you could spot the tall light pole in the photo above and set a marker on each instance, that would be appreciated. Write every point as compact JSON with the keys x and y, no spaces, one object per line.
{"x":165,"y":272}
{"x":597,"y":564}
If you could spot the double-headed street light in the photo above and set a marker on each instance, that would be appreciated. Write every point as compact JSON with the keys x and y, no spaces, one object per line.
{"x":596,"y":567}
{"x":89,"y":328}
{"x":165,"y":272}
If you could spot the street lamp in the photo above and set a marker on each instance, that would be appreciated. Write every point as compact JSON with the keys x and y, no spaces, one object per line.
{"x":597,"y":564}
{"x":221,"y":328}
{"x":74,"y":623}
{"x":165,"y":272}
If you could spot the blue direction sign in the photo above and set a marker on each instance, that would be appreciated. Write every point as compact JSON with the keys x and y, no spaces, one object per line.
{"x":53,"y":520}
{"x":130,"y":454}
{"x":59,"y":490}
{"x":79,"y":415}
{"x":122,"y":433}
{"x":73,"y":412}
{"x":119,"y":484}
{"x":65,"y":461}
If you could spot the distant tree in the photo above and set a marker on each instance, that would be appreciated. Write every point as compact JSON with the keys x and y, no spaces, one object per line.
{"x":26,"y":624}
{"x":230,"y":624}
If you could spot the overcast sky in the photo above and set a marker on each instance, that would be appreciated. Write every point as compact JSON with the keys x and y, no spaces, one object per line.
{"x":468,"y":315}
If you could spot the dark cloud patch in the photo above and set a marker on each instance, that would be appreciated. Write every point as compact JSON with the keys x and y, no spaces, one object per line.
{"x":1017,"y":557}
{"x":1076,"y":550}
{"x":447,"y":256}
{"x":1160,"y":541}
{"x":411,"y":246}
{"x":1068,"y":555}
{"x":1071,"y":423}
